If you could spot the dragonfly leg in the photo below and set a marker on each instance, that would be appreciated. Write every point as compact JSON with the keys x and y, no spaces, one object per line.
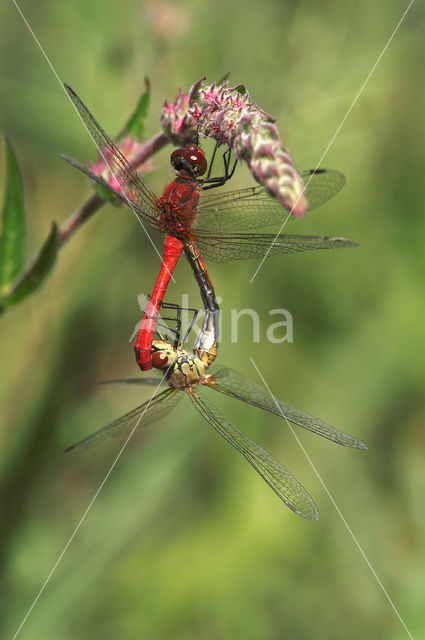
{"x":219,"y":181}
{"x":226,"y":159}
{"x":212,"y":161}
{"x":178,"y":339}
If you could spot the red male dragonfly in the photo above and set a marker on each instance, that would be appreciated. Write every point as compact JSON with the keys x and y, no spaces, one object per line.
{"x":204,"y":226}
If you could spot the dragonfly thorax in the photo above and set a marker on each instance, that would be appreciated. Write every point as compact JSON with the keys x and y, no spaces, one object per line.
{"x":178,"y":206}
{"x":185,"y":369}
{"x":180,"y":197}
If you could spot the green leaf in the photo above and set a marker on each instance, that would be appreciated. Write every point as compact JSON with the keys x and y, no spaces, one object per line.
{"x":135,"y":126}
{"x":241,"y":89}
{"x":223,"y":79}
{"x":13,"y":234}
{"x":38,"y":271}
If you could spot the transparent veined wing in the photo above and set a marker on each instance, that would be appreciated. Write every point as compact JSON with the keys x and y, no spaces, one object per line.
{"x":322,"y":185}
{"x":228,"y":247}
{"x":152,"y":217}
{"x":231,"y":383}
{"x":253,"y":207}
{"x":144,"y":414}
{"x":271,"y":470}
{"x":134,"y":189}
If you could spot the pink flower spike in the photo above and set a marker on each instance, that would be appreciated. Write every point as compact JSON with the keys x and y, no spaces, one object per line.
{"x":228,"y":115}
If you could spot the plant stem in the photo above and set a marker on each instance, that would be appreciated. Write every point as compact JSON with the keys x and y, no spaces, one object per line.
{"x":95,"y":202}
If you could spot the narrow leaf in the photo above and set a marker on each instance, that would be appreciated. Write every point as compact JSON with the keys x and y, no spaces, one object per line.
{"x":38,"y":271}
{"x":135,"y":126}
{"x":13,"y":233}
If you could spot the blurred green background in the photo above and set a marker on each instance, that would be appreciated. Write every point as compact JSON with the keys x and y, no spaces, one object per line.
{"x":185,"y":541}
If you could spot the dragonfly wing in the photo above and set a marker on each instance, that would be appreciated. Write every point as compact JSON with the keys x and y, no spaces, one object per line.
{"x":148,"y":412}
{"x":253,"y":208}
{"x":118,"y":194}
{"x":231,"y":383}
{"x":134,"y":188}
{"x":271,"y":470}
{"x":227,"y":247}
{"x":244,"y":209}
{"x":321,"y":185}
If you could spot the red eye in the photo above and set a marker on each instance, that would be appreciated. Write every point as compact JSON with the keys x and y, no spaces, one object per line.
{"x":159,"y":360}
{"x":190,"y":159}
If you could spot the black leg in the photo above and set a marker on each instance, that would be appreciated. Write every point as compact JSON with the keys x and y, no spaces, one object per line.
{"x":212,"y":183}
{"x":177,"y":320}
{"x":226,"y":159}
{"x":212,"y":161}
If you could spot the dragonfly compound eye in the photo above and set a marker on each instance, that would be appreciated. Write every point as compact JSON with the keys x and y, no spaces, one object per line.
{"x":163,"y":355}
{"x":159,"y":360}
{"x":189,"y":159}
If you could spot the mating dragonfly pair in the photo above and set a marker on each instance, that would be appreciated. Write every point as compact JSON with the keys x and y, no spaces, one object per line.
{"x":188,"y":373}
{"x":203,"y":224}
{"x":209,"y":225}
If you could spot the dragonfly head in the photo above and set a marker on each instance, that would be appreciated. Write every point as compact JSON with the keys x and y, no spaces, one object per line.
{"x":163,"y":354}
{"x":189,"y":161}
